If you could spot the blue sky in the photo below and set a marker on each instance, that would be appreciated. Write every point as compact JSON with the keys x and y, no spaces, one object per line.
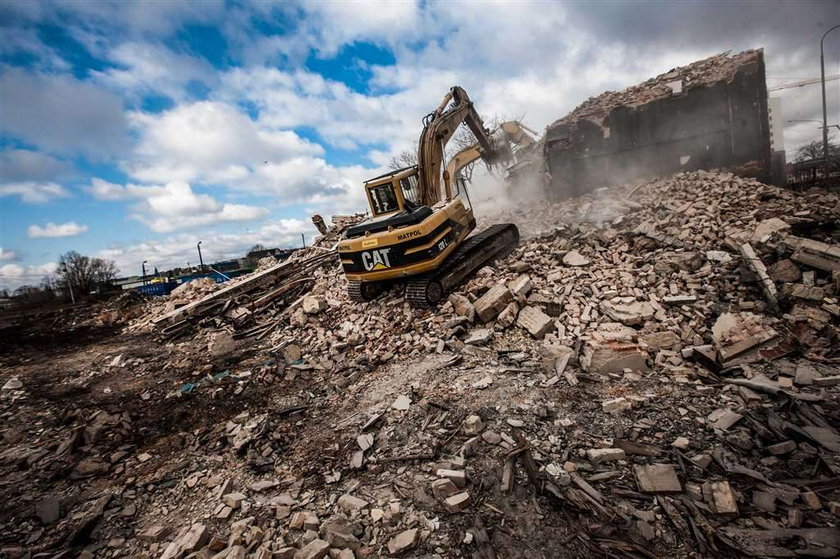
{"x":133,"y":130}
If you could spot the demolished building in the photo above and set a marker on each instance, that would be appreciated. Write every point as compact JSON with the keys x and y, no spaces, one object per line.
{"x":709,"y":114}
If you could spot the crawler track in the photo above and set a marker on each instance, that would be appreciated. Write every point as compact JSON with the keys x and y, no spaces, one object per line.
{"x":494,"y":242}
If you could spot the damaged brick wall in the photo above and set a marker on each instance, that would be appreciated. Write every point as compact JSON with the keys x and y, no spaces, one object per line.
{"x":709,"y":114}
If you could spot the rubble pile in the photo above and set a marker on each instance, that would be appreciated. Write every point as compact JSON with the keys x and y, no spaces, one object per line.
{"x":653,"y":372}
{"x":721,"y":67}
{"x":247,"y":304}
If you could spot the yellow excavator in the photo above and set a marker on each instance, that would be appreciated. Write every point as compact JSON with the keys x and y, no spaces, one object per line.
{"x":421,"y":216}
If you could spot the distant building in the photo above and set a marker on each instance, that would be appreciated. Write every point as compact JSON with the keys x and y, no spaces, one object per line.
{"x":254,"y":256}
{"x":706,"y":115}
{"x":777,"y":123}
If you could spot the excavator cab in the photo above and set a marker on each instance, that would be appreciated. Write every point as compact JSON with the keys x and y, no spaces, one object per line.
{"x":393,"y":192}
{"x":394,"y":200}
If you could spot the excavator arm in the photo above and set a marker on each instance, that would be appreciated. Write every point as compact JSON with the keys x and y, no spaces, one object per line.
{"x":438,"y":129}
{"x":509,"y":133}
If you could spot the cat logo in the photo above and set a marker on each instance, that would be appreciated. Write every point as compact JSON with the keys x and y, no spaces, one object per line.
{"x":376,"y":259}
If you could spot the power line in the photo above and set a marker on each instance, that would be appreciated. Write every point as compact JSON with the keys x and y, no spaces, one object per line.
{"x":809,"y":81}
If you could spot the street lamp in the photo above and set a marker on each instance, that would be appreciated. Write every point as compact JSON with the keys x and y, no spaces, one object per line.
{"x":144,"y":271}
{"x":200,"y":260}
{"x":825,"y":114}
{"x":837,"y":126}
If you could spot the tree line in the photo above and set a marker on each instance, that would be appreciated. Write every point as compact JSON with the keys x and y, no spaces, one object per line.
{"x":76,"y":277}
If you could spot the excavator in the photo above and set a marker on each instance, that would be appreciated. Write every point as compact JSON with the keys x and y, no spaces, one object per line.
{"x":422,"y":217}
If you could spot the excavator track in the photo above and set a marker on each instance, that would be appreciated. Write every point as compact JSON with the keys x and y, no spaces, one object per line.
{"x":362,"y":292}
{"x":494,"y":242}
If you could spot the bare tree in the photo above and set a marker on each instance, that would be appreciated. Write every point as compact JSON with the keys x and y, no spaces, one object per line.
{"x":256,"y":248}
{"x":403,"y":159}
{"x":814,"y":151}
{"x":83,"y":274}
{"x":462,"y":139}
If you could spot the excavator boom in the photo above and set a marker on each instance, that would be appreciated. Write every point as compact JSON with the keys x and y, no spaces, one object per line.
{"x":439,"y":127}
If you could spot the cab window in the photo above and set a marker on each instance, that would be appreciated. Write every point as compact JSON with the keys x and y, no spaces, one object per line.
{"x":384,"y":199}
{"x":461,"y":191}
{"x":410,"y":191}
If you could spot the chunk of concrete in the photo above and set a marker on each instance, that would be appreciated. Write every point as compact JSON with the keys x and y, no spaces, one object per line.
{"x":233,"y":500}
{"x":351,"y":503}
{"x":479,"y":336}
{"x":462,"y":306}
{"x":458,"y":502}
{"x":221,"y":344}
{"x":13,"y":383}
{"x":720,"y":495}
{"x":443,"y":488}
{"x":767,"y":228}
{"x":604,"y":357}
{"x":314,"y":304}
{"x":458,"y":477}
{"x":401,"y":403}
{"x":574,"y":258}
{"x":805,"y":375}
{"x":627,"y":310}
{"x":521,"y":286}
{"x":489,"y":305}
{"x":784,"y":271}
{"x":508,"y":316}
{"x":316,"y":549}
{"x":536,"y":322}
{"x":657,"y":478}
{"x":661,"y":340}
{"x":404,"y":541}
{"x":599,"y":455}
{"x":616,"y":405}
{"x":724,"y":418}
{"x":473,"y":425}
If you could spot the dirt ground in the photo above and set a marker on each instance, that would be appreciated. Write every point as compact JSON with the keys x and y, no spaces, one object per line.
{"x":122,"y":442}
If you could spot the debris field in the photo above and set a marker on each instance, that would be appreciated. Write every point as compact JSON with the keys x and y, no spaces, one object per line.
{"x":653,"y":372}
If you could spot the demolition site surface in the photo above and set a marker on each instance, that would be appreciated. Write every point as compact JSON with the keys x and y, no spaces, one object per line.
{"x":653,"y":372}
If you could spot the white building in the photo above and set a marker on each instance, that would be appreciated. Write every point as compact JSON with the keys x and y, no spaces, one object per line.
{"x":777,"y":123}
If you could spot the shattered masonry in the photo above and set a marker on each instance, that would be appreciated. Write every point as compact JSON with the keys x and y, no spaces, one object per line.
{"x":625,"y":386}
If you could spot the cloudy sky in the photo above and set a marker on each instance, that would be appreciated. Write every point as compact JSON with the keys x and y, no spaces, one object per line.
{"x":132,"y":130}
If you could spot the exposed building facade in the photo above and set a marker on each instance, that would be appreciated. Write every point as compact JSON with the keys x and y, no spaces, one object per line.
{"x":709,"y":114}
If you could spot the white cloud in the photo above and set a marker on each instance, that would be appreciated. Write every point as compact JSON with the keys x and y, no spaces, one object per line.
{"x":34,"y":192}
{"x":343,"y":118}
{"x":61,"y":114}
{"x":212,"y":143}
{"x":13,"y":276}
{"x":174,"y":206}
{"x":8,"y":255}
{"x":178,"y":250}
{"x":208,"y":142}
{"x":52,"y":230}
{"x":144,"y":68}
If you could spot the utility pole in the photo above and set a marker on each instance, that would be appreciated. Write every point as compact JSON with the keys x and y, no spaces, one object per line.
{"x":303,"y":240}
{"x":825,"y":111}
{"x":200,"y":259}
{"x":144,"y":271}
{"x":69,"y":285}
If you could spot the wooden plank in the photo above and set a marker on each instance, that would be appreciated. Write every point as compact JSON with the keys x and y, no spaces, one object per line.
{"x":814,"y":253}
{"x":272,"y":274}
{"x":756,"y":265}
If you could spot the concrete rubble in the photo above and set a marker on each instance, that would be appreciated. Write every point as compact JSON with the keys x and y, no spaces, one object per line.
{"x":642,"y":397}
